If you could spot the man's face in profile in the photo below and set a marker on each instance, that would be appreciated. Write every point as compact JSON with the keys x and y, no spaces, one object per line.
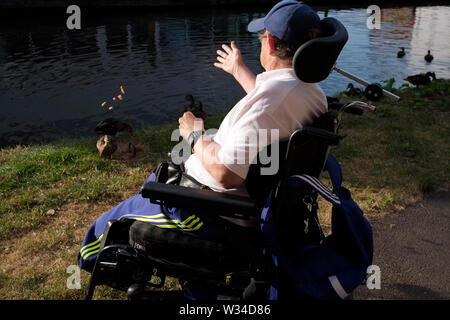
{"x":263,"y":37}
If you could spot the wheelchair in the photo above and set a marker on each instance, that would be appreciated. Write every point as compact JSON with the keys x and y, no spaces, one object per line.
{"x":134,"y":253}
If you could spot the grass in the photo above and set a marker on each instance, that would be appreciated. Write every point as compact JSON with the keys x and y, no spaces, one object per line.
{"x":400,"y":152}
{"x":50,"y":194}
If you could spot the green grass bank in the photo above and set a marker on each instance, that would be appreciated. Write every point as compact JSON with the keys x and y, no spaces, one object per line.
{"x":50,"y":194}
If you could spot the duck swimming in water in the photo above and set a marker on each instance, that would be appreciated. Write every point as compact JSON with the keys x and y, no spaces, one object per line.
{"x":106,"y":146}
{"x":401,"y":53}
{"x":421,"y":79}
{"x":195,"y":108}
{"x":428,"y":57}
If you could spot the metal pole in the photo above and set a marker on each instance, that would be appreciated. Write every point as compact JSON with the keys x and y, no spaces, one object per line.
{"x":364,"y":82}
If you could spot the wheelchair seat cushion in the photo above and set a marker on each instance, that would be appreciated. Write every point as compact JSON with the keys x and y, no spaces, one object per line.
{"x":176,"y":246}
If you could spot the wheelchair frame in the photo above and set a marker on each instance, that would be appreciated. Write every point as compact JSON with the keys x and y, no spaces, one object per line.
{"x":129,"y":269}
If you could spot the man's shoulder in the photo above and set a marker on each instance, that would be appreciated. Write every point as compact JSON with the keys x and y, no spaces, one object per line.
{"x":281,"y":89}
{"x":277,"y":88}
{"x":285,"y":79}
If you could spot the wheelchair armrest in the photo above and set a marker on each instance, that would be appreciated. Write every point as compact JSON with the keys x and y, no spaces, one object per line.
{"x":200,"y":200}
{"x":326,"y":136}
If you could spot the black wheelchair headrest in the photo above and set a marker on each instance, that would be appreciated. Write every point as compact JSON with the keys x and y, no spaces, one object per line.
{"x":313,"y":61}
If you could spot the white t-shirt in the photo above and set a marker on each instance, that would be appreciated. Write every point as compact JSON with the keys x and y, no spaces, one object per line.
{"x":279,"y":101}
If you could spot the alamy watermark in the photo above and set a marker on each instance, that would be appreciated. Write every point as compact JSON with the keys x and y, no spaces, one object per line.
{"x":74,"y":280}
{"x":374,"y":19}
{"x":248,"y":148}
{"x":373,"y":277}
{"x":74,"y":20}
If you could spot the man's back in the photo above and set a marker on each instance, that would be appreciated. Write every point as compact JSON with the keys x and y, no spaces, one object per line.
{"x":280,"y":102}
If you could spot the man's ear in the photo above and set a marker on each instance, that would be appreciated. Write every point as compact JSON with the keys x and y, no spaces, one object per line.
{"x":271,"y":40}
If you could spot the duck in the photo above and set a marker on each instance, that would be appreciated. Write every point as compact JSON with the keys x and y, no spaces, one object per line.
{"x":111,"y":127}
{"x":195,"y":108}
{"x":401,"y":53}
{"x":332,"y":99}
{"x":421,"y":79}
{"x":334,"y":103}
{"x":352,"y":91}
{"x":106,"y":146}
{"x":428,"y":57}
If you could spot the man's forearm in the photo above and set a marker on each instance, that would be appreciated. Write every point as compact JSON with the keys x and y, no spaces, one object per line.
{"x":207,"y":151}
{"x":245,"y":77}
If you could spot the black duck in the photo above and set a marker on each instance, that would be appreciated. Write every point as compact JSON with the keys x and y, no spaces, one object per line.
{"x":352,"y":91}
{"x":401,"y":53}
{"x":111,"y":126}
{"x":421,"y":79}
{"x":428,"y":57}
{"x":195,"y":108}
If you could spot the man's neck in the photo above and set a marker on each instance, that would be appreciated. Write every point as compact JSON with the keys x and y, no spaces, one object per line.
{"x":275,"y":64}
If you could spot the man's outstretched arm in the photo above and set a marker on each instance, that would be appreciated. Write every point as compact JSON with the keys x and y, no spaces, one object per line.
{"x":230,"y":60}
{"x":207,"y":151}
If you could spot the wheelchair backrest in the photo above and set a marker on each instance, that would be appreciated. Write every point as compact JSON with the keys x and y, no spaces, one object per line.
{"x":315,"y":59}
{"x":304,"y":153}
{"x":308,"y":147}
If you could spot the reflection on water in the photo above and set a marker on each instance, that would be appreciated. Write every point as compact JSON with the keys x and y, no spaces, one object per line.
{"x":53,"y":81}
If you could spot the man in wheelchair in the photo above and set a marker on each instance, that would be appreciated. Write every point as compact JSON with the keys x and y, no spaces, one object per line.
{"x":276,"y":99}
{"x":209,"y":237}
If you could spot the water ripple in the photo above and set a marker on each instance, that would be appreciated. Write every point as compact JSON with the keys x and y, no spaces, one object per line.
{"x":51,"y":75}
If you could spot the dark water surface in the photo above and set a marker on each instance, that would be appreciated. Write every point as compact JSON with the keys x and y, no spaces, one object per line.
{"x":53,"y":80}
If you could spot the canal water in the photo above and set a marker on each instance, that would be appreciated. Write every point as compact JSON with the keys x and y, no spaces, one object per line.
{"x":53,"y":81}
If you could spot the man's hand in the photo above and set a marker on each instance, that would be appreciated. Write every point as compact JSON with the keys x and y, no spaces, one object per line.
{"x":188,"y":123}
{"x":207,"y":151}
{"x":230,"y":60}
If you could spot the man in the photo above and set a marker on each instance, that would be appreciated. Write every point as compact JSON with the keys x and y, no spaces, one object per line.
{"x":275,"y":100}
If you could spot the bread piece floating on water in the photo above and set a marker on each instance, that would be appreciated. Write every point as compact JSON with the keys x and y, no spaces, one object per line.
{"x":120,"y":97}
{"x":110,"y":108}
{"x":103,"y":103}
{"x":122,"y":89}
{"x":114,"y":98}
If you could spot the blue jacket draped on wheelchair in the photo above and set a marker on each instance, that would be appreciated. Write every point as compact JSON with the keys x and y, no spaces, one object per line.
{"x":276,"y":250}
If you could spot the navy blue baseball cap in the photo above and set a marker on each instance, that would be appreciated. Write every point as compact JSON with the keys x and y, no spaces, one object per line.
{"x":287,"y":20}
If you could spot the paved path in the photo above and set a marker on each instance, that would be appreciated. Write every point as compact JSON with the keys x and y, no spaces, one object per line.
{"x":412,"y":249}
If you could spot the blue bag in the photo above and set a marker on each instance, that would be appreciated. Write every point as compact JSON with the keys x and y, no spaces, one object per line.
{"x":333,"y":269}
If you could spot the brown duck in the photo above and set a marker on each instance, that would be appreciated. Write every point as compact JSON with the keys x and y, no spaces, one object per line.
{"x":106,"y":146}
